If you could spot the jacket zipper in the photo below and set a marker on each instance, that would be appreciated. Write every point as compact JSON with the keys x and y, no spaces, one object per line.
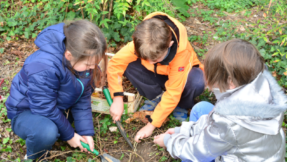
{"x":82,"y":90}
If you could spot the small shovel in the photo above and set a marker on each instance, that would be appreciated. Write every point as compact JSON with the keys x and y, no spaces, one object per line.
{"x":119,"y":125}
{"x":104,"y":158}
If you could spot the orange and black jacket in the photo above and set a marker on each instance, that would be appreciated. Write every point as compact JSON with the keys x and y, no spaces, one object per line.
{"x":176,"y":66}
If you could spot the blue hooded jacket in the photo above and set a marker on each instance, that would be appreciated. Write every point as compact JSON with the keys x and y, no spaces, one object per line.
{"x":47,"y":87}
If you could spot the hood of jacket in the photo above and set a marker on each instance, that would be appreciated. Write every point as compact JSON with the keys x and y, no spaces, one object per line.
{"x":51,"y":40}
{"x":258,"y":106}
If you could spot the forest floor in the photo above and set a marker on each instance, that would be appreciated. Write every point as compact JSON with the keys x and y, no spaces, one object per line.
{"x":201,"y":28}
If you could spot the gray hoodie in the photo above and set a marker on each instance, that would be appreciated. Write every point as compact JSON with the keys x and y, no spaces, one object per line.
{"x":245,"y":125}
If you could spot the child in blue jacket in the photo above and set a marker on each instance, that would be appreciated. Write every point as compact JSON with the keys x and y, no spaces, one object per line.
{"x":54,"y":88}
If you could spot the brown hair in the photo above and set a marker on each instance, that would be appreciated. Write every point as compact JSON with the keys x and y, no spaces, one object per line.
{"x":84,"y":39}
{"x":236,"y":60}
{"x":151,"y":39}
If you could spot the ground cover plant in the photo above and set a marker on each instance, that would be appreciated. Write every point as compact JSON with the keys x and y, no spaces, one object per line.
{"x":262,"y":22}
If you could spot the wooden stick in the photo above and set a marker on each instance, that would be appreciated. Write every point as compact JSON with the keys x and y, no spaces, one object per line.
{"x":125,"y":93}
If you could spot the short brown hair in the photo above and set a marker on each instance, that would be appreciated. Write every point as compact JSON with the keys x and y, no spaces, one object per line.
{"x":237,"y":60}
{"x":151,"y":39}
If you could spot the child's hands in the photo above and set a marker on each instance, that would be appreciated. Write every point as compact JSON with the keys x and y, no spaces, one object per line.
{"x":159,"y":139}
{"x":117,"y":108}
{"x":90,"y":141}
{"x":146,"y":131}
{"x":170,"y":131}
{"x":75,"y":142}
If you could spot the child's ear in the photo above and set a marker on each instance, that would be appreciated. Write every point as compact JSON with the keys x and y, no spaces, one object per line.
{"x":68,"y":55}
{"x":231,"y":84}
{"x":171,"y":43}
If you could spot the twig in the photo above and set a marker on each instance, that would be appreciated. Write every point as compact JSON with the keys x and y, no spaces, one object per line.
{"x":99,"y":133}
{"x":82,"y":10}
{"x":130,"y":157}
{"x":130,"y":152}
{"x":110,"y":8}
{"x":67,"y":9}
{"x":103,"y":9}
{"x":1,"y":82}
{"x":36,"y":153}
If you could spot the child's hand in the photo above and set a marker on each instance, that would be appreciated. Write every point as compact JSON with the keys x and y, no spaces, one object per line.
{"x":170,"y":131}
{"x":159,"y":140}
{"x":90,"y":141}
{"x":146,"y":131}
{"x":117,"y":108}
{"x":75,"y":142}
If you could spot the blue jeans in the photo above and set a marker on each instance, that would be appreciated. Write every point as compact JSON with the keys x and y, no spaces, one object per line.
{"x":199,"y":109}
{"x":39,"y":132}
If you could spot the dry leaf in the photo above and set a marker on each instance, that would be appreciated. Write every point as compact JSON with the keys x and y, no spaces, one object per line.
{"x":141,"y":115}
{"x":274,"y":74}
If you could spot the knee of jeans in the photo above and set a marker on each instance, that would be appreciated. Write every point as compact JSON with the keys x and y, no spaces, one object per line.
{"x":48,"y":135}
{"x":202,"y":106}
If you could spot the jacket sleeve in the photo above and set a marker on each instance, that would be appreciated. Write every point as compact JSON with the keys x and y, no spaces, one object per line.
{"x":174,"y":88}
{"x":118,"y":65}
{"x":43,"y":85}
{"x":201,"y":141}
{"x":82,"y":114}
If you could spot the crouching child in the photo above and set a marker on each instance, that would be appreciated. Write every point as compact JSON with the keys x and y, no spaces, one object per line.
{"x":245,"y":123}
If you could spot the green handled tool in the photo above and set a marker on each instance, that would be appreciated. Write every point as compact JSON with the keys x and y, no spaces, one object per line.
{"x":119,"y":125}
{"x":85,"y":145}
{"x":104,"y":158}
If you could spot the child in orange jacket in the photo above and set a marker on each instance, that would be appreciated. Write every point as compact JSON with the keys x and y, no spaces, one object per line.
{"x":162,"y":65}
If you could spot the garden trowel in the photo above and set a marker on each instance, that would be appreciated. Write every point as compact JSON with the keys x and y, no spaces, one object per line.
{"x":119,"y":125}
{"x":104,"y":158}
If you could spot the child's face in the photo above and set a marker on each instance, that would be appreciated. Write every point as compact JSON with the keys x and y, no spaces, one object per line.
{"x":162,"y":57}
{"x":82,"y":65}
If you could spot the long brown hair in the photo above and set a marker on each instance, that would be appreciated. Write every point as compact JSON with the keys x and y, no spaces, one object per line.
{"x":84,"y":39}
{"x":151,"y":39}
{"x":236,"y":60}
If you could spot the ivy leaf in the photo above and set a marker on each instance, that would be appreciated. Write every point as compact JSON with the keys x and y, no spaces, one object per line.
{"x":181,"y":7}
{"x":1,"y":50}
{"x":5,"y":140}
{"x":71,"y":15}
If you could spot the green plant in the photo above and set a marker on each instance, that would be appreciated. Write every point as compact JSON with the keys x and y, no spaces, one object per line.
{"x":182,"y":7}
{"x":232,"y":5}
{"x":117,"y":18}
{"x":107,"y":121}
{"x":172,"y":122}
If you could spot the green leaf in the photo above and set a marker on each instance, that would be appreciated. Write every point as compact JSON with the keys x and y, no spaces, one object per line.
{"x":1,"y":50}
{"x":71,"y":15}
{"x":34,"y":35}
{"x":63,"y":148}
{"x":26,"y":34}
{"x":5,"y":140}
{"x":70,"y":159}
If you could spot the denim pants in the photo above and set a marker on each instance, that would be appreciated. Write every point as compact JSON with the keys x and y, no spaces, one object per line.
{"x":150,"y":85}
{"x":199,"y":109}
{"x":39,"y":132}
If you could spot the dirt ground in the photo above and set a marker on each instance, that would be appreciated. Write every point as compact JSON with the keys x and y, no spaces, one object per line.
{"x":11,"y":61}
